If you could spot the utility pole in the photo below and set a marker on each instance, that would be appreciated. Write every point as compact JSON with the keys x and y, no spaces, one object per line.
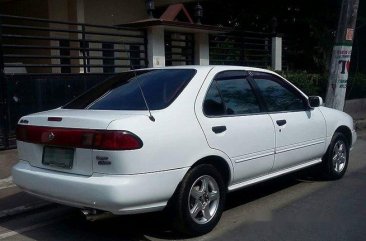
{"x":341,"y":56}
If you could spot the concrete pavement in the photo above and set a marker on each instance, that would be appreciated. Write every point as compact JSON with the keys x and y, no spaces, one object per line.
{"x":8,"y":158}
{"x":13,"y":200}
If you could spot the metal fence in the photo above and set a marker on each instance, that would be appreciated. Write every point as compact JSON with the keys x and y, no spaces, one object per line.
{"x":291,"y":53}
{"x":179,"y":48}
{"x":44,"y":63}
{"x":241,"y":48}
{"x":44,"y":46}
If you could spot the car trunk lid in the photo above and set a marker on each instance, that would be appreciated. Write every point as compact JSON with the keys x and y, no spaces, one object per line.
{"x":58,"y":139}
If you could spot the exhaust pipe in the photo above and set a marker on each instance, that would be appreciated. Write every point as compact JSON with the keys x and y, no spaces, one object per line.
{"x":94,"y":215}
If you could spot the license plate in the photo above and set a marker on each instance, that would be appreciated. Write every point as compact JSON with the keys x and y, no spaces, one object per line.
{"x":58,"y":157}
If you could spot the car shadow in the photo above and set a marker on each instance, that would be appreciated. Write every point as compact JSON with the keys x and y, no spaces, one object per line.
{"x":152,"y":225}
{"x":266,"y":188}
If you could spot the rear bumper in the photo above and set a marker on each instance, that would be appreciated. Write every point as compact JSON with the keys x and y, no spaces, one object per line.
{"x":118,"y":194}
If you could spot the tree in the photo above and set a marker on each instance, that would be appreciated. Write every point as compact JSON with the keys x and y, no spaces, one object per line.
{"x":308,"y":28}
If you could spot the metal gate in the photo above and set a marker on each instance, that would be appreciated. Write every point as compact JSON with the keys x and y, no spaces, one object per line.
{"x":179,"y":48}
{"x":241,"y":48}
{"x":44,"y":64}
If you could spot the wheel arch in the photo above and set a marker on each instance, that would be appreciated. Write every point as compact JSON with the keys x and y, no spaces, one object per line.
{"x":220,"y":164}
{"x":345,"y":130}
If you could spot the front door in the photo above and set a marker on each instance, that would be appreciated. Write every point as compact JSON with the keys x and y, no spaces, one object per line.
{"x":300,"y":131}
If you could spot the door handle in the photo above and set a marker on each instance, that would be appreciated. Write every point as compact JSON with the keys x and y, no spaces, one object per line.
{"x":281,"y":122}
{"x":218,"y":129}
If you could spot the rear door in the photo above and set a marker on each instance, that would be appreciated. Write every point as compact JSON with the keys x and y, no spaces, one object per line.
{"x":300,"y":131}
{"x":232,"y":120}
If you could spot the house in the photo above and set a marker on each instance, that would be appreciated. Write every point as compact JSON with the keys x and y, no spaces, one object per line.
{"x":51,"y":51}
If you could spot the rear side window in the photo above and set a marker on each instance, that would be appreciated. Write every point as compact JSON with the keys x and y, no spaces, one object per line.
{"x":124,"y":92}
{"x":278,"y":96}
{"x":213,"y":104}
{"x":230,"y":94}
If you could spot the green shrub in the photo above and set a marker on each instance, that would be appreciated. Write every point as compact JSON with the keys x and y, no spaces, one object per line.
{"x":310,"y":84}
{"x":316,"y":84}
{"x":356,"y":86}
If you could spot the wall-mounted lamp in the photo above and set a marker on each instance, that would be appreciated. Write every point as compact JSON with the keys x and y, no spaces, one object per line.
{"x":274,"y":25}
{"x":198,"y":12}
{"x":150,"y":7}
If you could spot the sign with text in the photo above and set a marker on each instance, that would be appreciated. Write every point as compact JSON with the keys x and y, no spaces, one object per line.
{"x":349,"y":34}
{"x":340,"y":67}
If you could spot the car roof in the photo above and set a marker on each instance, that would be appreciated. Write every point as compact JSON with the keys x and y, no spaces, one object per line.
{"x":208,"y":67}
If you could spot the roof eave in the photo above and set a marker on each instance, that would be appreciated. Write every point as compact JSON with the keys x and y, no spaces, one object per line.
{"x":184,"y":26}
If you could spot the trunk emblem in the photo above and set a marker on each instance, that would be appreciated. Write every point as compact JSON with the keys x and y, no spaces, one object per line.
{"x":101,"y":158}
{"x":24,"y":121}
{"x":51,"y":136}
{"x":102,"y":163}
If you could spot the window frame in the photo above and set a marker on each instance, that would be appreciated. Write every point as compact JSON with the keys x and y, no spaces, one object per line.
{"x":281,"y":81}
{"x":246,"y":75}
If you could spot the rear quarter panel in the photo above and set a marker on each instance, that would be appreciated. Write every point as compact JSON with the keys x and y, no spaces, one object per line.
{"x":174,"y":140}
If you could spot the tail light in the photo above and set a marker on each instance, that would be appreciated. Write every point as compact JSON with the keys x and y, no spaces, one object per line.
{"x":79,"y":138}
{"x":116,"y":140}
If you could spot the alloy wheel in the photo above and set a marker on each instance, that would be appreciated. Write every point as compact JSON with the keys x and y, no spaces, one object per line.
{"x":203,"y":200}
{"x":339,"y":156}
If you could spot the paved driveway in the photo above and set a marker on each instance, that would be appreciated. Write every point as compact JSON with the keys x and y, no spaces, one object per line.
{"x":293,"y":207}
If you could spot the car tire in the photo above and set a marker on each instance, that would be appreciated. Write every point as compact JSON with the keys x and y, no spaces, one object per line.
{"x":335,"y":160}
{"x":199,"y":201}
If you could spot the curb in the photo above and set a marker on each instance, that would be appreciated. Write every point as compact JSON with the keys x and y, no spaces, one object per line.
{"x":360,"y":124}
{"x":23,"y":209}
{"x":8,"y":183}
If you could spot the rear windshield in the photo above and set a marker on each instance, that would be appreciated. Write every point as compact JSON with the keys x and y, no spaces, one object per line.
{"x":124,"y":91}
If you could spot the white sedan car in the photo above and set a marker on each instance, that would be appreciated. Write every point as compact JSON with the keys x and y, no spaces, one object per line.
{"x":178,"y":138}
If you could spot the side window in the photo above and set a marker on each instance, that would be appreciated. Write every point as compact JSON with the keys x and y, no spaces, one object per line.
{"x":213,"y":105}
{"x":231,"y":94}
{"x":277,"y":96}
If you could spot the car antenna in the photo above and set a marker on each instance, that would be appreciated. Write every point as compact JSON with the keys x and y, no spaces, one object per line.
{"x":151,"y":117}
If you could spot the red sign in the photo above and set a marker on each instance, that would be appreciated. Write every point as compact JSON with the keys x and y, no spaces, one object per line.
{"x":349,"y":34}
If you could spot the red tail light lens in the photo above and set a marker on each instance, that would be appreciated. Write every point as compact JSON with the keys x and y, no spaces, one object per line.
{"x":116,"y":140}
{"x":79,"y":138}
{"x":21,"y":133}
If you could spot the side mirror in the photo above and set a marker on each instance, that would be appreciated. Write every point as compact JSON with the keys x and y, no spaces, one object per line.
{"x":315,"y":101}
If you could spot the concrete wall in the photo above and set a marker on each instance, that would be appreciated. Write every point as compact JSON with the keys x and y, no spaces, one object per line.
{"x":356,"y":108}
{"x":107,"y":12}
{"x":113,"y":12}
{"x":34,"y":8}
